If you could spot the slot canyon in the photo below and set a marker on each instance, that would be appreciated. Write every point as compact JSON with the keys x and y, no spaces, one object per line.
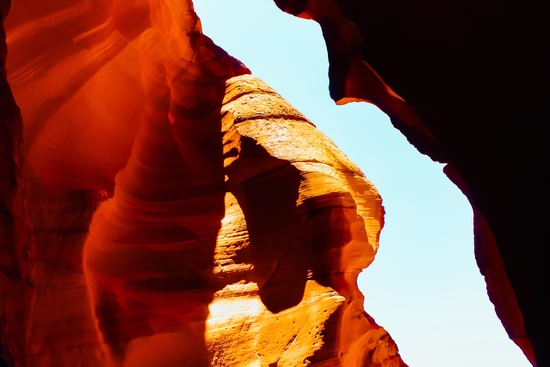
{"x":162,"y":206}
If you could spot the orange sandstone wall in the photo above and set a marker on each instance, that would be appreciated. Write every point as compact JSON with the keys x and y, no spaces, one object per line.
{"x":16,"y":245}
{"x":172,"y":209}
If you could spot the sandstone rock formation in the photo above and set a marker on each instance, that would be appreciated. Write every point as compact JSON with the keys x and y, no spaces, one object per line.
{"x":160,"y":206}
{"x":474,"y":75}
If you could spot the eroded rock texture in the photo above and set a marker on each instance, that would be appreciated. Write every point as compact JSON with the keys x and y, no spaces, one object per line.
{"x":474,"y":75}
{"x":172,"y":210}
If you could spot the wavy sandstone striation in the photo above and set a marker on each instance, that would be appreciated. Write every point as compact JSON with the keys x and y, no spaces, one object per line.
{"x":181,"y":213}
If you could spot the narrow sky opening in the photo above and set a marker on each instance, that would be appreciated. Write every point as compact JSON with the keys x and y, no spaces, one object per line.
{"x":424,"y":286}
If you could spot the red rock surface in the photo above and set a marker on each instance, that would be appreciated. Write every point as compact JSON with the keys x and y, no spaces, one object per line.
{"x":171,"y":209}
{"x":464,"y":81}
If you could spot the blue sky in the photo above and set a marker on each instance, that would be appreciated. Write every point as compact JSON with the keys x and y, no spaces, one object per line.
{"x":423,"y":286}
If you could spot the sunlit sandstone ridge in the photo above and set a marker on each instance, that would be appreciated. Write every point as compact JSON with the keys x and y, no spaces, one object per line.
{"x":171,"y":209}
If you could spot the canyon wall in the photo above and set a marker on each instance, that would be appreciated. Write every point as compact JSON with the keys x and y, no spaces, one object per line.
{"x":466,"y":83}
{"x":226,"y":198}
{"x":161,"y":206}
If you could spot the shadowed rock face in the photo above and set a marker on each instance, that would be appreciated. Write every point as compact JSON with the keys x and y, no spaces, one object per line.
{"x":171,"y":209}
{"x":474,"y":76}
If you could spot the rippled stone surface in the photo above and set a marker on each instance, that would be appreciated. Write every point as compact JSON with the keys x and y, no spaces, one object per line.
{"x":180,"y":212}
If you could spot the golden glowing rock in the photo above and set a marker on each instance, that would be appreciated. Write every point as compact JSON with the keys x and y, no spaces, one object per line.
{"x":182,"y":213}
